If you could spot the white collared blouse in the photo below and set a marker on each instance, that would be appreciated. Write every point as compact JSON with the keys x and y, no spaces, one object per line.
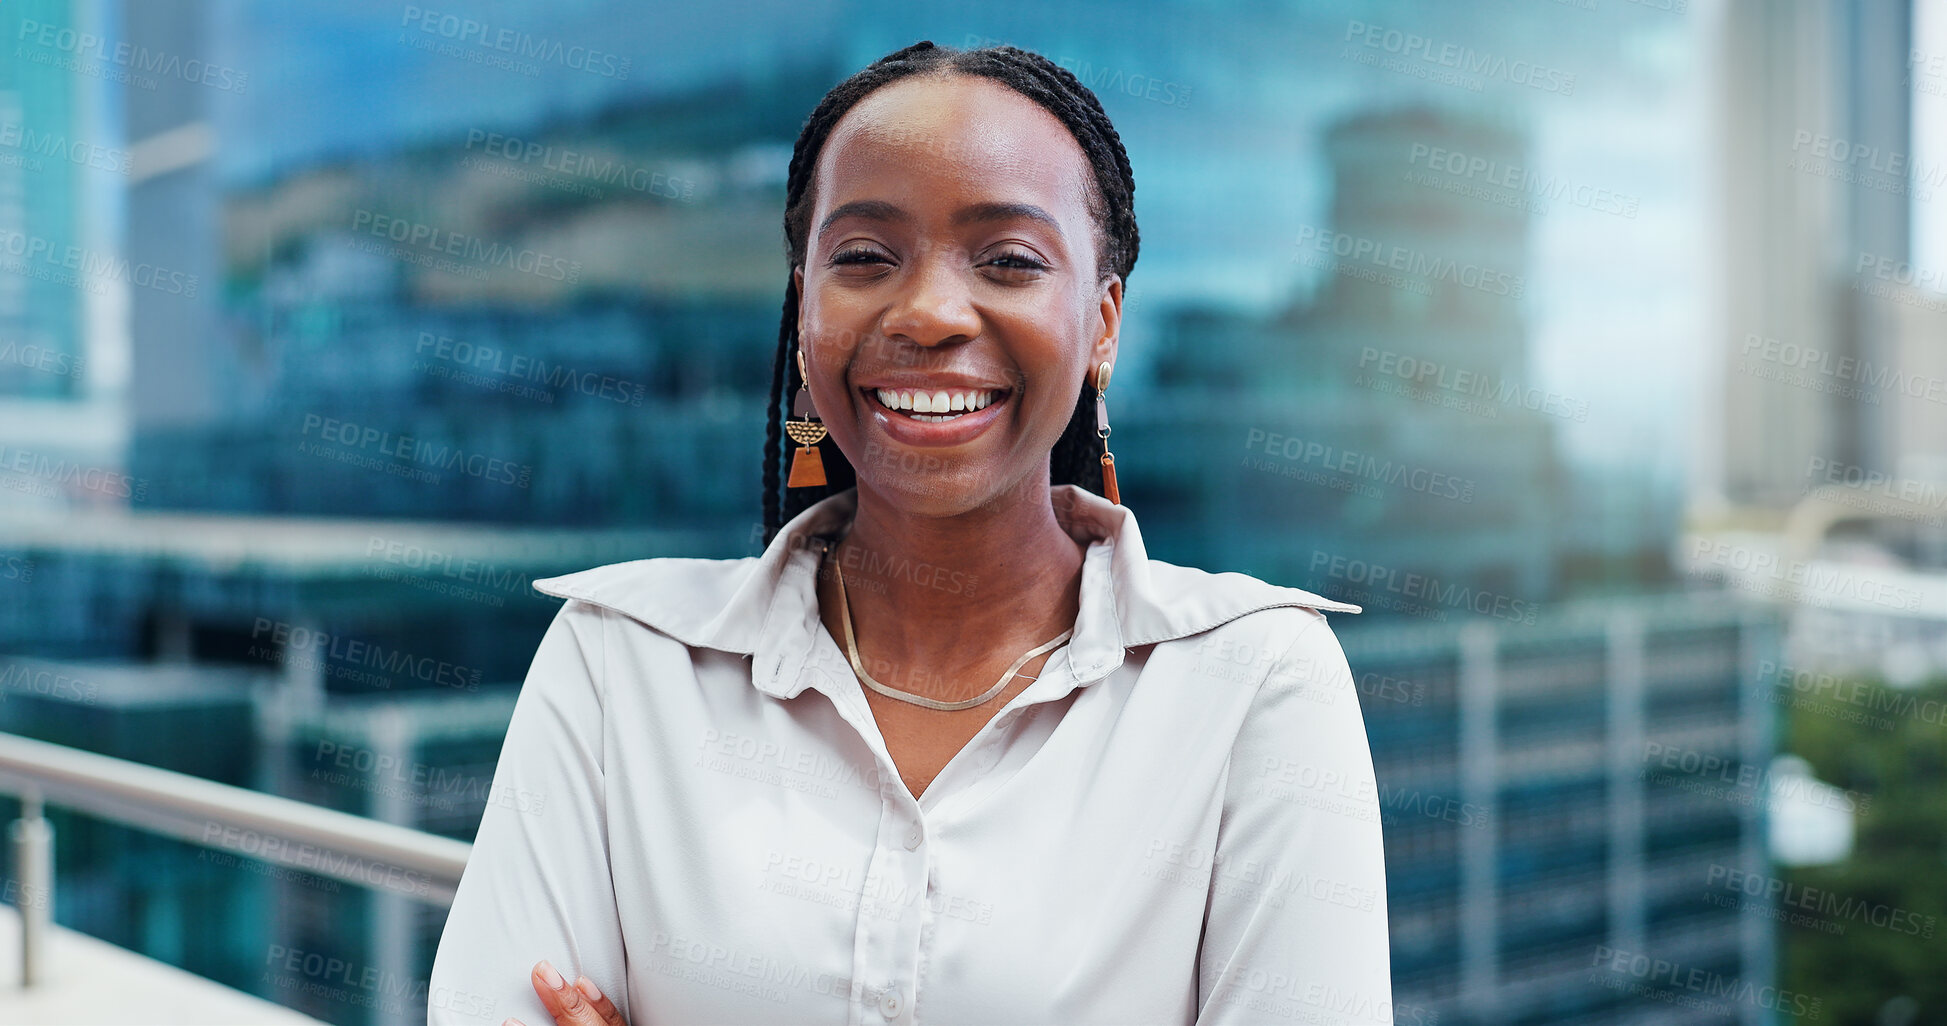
{"x":1177,"y":822}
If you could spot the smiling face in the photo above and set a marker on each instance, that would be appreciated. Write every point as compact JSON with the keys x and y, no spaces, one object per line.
{"x":951,"y":250}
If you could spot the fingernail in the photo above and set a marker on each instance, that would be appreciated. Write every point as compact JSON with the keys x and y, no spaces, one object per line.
{"x":588,"y":987}
{"x":553,"y":978}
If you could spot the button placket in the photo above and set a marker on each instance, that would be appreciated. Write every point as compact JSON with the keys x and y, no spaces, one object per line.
{"x":888,"y":937}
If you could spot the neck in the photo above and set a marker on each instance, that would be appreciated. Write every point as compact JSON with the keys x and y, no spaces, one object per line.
{"x":955,"y":592}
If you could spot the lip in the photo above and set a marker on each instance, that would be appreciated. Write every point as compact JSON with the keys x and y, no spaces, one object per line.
{"x":959,"y":431}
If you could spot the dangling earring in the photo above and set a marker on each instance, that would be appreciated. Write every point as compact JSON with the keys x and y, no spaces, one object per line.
{"x":1102,"y":428}
{"x":807,"y":464}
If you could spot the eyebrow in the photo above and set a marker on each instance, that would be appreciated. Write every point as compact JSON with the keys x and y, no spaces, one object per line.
{"x":881,"y":210}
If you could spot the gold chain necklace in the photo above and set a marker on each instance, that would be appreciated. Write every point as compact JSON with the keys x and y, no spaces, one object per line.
{"x":852,"y":652}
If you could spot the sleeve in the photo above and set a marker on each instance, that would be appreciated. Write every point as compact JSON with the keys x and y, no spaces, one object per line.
{"x":1295,"y":927}
{"x":537,"y":884}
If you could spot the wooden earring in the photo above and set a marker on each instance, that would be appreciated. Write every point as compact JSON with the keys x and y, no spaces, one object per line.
{"x":807,"y":464}
{"x":1102,"y":429}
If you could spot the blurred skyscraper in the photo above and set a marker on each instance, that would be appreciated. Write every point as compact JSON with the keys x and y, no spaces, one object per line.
{"x":41,"y":195}
{"x":1391,"y":414}
{"x":1829,"y":333}
{"x":1546,"y":807}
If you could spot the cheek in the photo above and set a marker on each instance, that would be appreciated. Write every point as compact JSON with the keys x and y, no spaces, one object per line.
{"x":833,"y":321}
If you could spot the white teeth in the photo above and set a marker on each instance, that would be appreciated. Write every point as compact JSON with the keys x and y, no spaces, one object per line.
{"x":937,"y":402}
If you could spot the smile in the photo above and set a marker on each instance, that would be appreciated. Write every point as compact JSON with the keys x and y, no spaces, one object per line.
{"x":936,"y":406}
{"x":940,"y":417}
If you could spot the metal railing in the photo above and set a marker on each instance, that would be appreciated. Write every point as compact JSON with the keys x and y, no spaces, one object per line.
{"x":381,"y":856}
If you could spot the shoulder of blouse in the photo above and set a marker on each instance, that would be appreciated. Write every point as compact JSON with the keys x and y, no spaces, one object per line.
{"x":1128,"y":598}
{"x":725,"y":603}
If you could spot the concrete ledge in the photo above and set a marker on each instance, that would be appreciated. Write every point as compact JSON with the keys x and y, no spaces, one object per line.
{"x":93,"y":983}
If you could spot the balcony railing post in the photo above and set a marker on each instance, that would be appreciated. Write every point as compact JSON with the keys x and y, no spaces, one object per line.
{"x":33,"y":839}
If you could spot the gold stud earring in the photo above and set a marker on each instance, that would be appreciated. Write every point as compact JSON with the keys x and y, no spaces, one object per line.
{"x":807,"y":464}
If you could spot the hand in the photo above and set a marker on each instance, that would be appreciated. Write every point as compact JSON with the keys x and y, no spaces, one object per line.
{"x":580,"y":1003}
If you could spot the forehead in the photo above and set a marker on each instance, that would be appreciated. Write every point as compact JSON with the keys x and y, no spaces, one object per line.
{"x":960,"y":137}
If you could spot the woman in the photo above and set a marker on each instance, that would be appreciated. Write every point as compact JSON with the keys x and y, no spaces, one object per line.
{"x":953,"y":749}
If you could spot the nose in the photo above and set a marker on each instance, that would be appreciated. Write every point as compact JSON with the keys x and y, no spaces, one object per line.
{"x":933,"y":306}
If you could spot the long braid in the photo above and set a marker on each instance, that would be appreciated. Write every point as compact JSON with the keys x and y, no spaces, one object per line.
{"x":1112,"y":209}
{"x":773,"y":420}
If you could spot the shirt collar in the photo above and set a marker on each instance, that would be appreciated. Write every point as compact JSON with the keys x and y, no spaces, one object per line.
{"x":766,"y":607}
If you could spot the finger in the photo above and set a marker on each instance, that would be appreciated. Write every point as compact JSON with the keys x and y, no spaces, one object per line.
{"x":565,"y":1002}
{"x":600,"y":1002}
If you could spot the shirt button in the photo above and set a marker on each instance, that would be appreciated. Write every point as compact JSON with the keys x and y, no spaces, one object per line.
{"x":912,"y":839}
{"x":889,"y":1004}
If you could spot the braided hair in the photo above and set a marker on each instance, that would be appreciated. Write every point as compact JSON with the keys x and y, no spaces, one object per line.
{"x":1111,"y":209}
